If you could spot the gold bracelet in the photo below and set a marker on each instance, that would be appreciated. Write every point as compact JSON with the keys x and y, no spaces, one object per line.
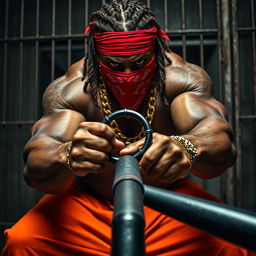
{"x":68,"y":157}
{"x":190,"y":148}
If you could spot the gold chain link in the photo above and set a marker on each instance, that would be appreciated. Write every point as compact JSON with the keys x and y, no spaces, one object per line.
{"x":107,"y":110}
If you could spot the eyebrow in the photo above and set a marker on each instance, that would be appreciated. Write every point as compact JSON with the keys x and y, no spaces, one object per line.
{"x":143,"y":56}
{"x":109,"y":58}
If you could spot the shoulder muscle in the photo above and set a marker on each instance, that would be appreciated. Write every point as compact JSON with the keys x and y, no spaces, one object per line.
{"x":58,"y":95}
{"x":182,"y":76}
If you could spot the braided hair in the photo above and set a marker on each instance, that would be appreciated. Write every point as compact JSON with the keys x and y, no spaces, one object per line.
{"x":118,"y":16}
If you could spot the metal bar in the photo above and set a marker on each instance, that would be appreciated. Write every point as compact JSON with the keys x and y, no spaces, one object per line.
{"x":81,"y":36}
{"x":215,"y":218}
{"x":128,"y":222}
{"x":53,"y":41}
{"x":201,"y":51}
{"x":5,"y":58}
{"x":3,"y":223}
{"x":219,"y":15}
{"x":253,"y":52}
{"x":41,"y":38}
{"x":193,"y":31}
{"x":227,"y":80}
{"x":4,"y":123}
{"x":19,"y":128}
{"x":183,"y":22}
{"x":165,"y":15}
{"x":3,"y":176}
{"x":36,"y":90}
{"x":86,"y":18}
{"x":19,"y":166}
{"x":20,"y":83}
{"x":148,"y":3}
{"x":69,"y":30}
{"x":192,"y":42}
{"x":254,"y":69}
{"x":201,"y":38}
{"x":2,"y":198}
{"x":246,"y":29}
{"x":4,"y":79}
{"x":3,"y":154}
{"x":248,"y":117}
{"x":236,"y":78}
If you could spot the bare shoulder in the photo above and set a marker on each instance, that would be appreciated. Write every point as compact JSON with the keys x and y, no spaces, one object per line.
{"x":67,"y":91}
{"x":182,"y":76}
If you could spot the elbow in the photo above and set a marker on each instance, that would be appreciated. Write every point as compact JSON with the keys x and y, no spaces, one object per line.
{"x":232,"y":156}
{"x":228,"y":156}
{"x":226,"y":159}
{"x":216,"y":165}
{"x":50,"y":185}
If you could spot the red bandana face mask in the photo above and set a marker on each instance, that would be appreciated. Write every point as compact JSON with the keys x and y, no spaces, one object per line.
{"x":129,"y":88}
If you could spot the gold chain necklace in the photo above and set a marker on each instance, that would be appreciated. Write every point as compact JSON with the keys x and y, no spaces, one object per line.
{"x":107,"y":110}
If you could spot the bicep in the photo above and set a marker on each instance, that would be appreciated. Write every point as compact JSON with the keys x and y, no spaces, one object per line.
{"x":60,"y":125}
{"x":189,"y":109}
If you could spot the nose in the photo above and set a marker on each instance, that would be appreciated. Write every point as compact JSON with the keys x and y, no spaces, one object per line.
{"x":127,"y":69}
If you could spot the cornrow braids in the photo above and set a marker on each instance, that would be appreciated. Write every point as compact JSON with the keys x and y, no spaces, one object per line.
{"x":118,"y":16}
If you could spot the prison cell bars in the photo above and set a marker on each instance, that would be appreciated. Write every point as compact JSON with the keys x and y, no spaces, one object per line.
{"x":183,"y":32}
{"x":236,"y":30}
{"x":225,"y":58}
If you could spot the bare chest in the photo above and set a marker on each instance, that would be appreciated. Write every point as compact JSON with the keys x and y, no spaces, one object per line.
{"x":161,"y":119}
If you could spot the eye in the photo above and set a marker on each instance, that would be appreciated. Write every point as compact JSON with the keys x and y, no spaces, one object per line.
{"x":140,"y":62}
{"x":113,"y":64}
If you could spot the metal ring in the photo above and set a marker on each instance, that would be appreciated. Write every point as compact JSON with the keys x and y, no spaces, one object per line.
{"x":147,"y":129}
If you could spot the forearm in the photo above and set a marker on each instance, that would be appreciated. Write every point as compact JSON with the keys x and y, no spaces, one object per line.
{"x":46,"y":165}
{"x":215,"y":147}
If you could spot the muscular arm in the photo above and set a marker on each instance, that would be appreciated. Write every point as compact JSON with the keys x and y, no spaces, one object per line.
{"x":198,"y":117}
{"x":64,"y":128}
{"x":45,"y":152}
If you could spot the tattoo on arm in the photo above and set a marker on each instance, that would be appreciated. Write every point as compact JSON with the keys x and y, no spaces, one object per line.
{"x":54,"y":97}
{"x":198,"y":80}
{"x":195,"y":79}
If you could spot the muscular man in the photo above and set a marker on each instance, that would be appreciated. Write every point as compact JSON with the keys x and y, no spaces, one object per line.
{"x":128,"y":65}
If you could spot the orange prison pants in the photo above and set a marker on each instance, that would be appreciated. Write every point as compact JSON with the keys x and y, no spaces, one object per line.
{"x":76,"y":223}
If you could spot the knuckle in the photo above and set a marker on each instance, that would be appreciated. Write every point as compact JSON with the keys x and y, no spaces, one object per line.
{"x":148,"y":157}
{"x":79,"y":134}
{"x":75,"y":152}
{"x":177,"y":151}
{"x":83,"y":124}
{"x":156,"y":172}
{"x":103,"y":128}
{"x":185,"y":163}
{"x":104,"y":144}
{"x":165,"y":139}
{"x":161,"y":138}
{"x":76,"y":165}
{"x":102,"y":157}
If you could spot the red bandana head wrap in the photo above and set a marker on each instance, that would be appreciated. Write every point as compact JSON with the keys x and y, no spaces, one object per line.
{"x":129,"y":88}
{"x":127,"y":42}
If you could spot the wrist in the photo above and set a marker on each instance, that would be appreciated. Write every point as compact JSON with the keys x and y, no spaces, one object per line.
{"x":68,"y":157}
{"x":188,"y":146}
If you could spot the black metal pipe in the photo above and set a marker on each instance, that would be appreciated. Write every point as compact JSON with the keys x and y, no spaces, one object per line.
{"x":226,"y":222}
{"x":128,"y":219}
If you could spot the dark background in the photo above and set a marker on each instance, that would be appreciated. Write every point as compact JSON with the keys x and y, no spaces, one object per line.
{"x":40,"y":39}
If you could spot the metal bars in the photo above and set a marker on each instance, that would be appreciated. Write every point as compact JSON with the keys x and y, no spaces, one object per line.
{"x":225,"y":59}
{"x":213,"y":42}
{"x":239,"y":83}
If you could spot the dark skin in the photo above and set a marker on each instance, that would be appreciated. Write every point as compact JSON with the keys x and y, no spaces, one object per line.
{"x":70,"y":115}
